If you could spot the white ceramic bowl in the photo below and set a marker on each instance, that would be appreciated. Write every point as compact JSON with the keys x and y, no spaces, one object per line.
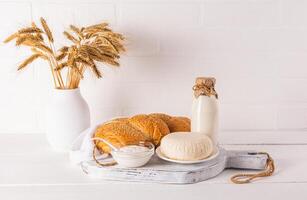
{"x":134,"y":159}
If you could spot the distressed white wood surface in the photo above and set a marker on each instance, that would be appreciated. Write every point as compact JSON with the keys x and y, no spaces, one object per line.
{"x":29,"y":170}
{"x":160,"y":171}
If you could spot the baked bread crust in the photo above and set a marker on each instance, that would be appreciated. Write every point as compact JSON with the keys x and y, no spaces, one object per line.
{"x":175,"y":124}
{"x":152,"y":127}
{"x":162,"y":116}
{"x":178,"y":124}
{"x":119,"y":133}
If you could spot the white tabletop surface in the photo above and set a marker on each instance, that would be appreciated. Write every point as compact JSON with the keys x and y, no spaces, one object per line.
{"x":31,"y":170}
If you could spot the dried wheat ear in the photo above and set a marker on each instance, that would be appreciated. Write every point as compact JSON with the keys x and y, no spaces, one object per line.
{"x":90,"y":45}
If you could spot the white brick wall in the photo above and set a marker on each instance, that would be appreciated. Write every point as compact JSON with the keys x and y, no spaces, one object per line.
{"x":257,"y":49}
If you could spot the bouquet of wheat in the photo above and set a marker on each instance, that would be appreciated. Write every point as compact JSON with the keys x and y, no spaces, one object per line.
{"x":67,"y":112}
{"x":90,"y":45}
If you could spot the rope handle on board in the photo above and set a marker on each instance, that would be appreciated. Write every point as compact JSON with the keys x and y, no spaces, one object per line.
{"x":111,"y":163}
{"x":247,"y":178}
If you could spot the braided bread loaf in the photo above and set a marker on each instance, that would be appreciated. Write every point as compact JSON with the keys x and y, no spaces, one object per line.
{"x":152,"y":127}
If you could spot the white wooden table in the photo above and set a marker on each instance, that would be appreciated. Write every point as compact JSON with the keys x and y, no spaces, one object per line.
{"x":30,"y":170}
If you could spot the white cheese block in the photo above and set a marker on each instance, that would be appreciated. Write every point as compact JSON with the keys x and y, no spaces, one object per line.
{"x":186,"y":146}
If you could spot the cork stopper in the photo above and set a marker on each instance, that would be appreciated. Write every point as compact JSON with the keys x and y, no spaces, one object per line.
{"x":204,"y":86}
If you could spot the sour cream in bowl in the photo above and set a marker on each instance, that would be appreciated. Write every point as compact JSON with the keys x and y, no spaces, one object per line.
{"x":134,"y":155}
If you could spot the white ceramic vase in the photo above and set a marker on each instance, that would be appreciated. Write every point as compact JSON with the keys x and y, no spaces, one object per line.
{"x":67,"y":116}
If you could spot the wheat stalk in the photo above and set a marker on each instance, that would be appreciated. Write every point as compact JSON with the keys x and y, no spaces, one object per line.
{"x":70,"y":37}
{"x":11,"y":37}
{"x":28,"y":61}
{"x":30,"y":30}
{"x":77,"y":31}
{"x":46,"y":29}
{"x":61,"y":56}
{"x":91,"y":44}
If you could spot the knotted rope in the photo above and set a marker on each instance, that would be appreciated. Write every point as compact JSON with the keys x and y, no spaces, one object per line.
{"x":204,"y":86}
{"x":247,"y":178}
{"x":111,"y":163}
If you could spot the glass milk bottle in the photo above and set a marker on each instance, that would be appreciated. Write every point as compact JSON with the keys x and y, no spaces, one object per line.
{"x":205,"y":108}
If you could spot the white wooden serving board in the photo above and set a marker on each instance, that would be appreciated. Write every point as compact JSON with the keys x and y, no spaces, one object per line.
{"x":160,"y":171}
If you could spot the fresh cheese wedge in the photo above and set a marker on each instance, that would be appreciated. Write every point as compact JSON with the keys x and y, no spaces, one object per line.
{"x":186,"y":146}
